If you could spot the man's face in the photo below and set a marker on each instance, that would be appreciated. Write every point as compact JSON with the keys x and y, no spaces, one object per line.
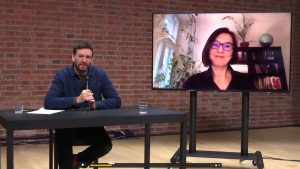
{"x":82,"y":59}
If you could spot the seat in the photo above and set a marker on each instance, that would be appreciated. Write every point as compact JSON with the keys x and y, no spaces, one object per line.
{"x":52,"y":149}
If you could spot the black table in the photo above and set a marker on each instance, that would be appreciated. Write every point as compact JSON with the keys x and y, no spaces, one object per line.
{"x":106,"y":117}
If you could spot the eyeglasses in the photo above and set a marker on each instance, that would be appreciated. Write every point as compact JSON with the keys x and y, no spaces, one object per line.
{"x":226,"y":46}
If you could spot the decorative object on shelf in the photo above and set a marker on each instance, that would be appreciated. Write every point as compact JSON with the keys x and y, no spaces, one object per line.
{"x":242,"y":26}
{"x":244,"y":44}
{"x":266,"y":40}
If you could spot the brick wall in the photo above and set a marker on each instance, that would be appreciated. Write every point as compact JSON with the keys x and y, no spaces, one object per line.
{"x":36,"y":37}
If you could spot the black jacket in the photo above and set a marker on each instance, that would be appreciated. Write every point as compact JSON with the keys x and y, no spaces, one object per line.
{"x":204,"y":81}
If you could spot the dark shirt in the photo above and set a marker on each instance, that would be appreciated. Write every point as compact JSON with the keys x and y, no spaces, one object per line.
{"x":66,"y":85}
{"x":204,"y":81}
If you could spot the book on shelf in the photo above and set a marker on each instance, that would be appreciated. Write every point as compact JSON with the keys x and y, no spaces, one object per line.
{"x":268,"y":69}
{"x":268,"y":82}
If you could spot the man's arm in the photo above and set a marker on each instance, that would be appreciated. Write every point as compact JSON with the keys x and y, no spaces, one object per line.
{"x":109,"y":93}
{"x":54,"y":98}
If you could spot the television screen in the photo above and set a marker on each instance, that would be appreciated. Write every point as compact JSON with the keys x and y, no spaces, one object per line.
{"x":222,"y":51}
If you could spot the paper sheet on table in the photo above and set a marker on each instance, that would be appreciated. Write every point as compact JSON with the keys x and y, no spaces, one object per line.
{"x":44,"y":111}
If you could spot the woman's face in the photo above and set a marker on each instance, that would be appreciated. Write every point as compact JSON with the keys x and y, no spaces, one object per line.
{"x":221,"y":50}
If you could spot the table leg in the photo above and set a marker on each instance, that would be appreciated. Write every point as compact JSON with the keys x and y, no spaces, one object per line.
{"x":50,"y":148}
{"x":9,"y":149}
{"x":183,"y":142}
{"x":147,"y":146}
{"x":0,"y":155}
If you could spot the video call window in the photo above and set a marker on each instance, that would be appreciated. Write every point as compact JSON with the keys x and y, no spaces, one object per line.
{"x":263,"y":48}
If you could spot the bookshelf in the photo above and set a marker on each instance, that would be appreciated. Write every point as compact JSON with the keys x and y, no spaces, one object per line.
{"x":265,"y":65}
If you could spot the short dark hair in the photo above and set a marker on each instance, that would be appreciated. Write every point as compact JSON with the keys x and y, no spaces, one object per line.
{"x":205,"y":53}
{"x":82,"y":45}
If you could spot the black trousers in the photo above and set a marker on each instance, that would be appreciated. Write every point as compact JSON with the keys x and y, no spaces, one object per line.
{"x":98,"y":139}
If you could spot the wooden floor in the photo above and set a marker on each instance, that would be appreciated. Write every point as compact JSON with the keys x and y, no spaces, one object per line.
{"x":280,"y":148}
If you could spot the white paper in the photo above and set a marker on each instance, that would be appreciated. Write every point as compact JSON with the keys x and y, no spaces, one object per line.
{"x":44,"y":111}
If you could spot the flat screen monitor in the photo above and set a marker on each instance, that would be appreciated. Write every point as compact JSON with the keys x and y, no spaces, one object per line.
{"x":222,"y":51}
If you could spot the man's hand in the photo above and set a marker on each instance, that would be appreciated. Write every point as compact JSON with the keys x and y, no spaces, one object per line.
{"x":86,"y":95}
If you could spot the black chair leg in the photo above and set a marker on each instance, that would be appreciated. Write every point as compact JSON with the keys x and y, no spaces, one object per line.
{"x":53,"y":152}
{"x":96,"y":161}
{"x":55,"y":157}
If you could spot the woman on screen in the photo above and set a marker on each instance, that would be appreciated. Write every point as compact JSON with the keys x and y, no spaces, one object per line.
{"x":218,"y":53}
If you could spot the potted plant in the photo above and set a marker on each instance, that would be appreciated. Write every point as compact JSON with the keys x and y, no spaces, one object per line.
{"x":242,"y":26}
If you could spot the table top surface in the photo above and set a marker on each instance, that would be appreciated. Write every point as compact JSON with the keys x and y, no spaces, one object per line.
{"x":78,"y":118}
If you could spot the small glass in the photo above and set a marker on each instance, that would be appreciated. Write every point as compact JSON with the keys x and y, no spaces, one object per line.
{"x":19,"y":107}
{"x":143,"y":106}
{"x":86,"y":109}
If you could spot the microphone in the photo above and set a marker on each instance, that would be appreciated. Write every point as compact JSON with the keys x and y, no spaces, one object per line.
{"x":87,"y":82}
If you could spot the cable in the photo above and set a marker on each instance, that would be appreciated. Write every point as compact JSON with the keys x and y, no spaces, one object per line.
{"x":281,"y":159}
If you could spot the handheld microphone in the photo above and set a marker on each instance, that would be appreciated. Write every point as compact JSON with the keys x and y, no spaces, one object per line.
{"x":87,"y":82}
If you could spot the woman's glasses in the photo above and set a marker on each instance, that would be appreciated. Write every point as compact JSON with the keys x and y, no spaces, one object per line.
{"x":226,"y":46}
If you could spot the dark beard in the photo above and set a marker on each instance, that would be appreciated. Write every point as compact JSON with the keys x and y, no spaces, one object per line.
{"x":78,"y":71}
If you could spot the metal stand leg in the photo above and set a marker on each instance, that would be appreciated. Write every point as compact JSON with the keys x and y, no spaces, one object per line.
{"x":243,"y":155}
{"x":193,"y":121}
{"x":245,"y":124}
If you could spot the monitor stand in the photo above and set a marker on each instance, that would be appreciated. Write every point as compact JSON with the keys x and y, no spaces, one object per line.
{"x":256,"y":157}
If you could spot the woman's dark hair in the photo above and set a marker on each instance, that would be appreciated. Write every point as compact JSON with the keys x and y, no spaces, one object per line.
{"x":82,"y":45}
{"x":205,"y":53}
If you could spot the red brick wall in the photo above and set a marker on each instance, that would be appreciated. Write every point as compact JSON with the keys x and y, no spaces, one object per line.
{"x":36,"y":37}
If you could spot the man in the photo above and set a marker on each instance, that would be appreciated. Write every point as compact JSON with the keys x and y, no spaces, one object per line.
{"x":81,"y":85}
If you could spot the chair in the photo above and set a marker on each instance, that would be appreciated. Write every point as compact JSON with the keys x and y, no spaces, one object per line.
{"x":53,"y":153}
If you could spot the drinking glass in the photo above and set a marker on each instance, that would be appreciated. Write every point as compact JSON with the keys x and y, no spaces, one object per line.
{"x":19,"y":107}
{"x":143,"y":106}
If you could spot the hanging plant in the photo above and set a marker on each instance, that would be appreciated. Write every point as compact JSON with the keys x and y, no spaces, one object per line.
{"x":183,"y":63}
